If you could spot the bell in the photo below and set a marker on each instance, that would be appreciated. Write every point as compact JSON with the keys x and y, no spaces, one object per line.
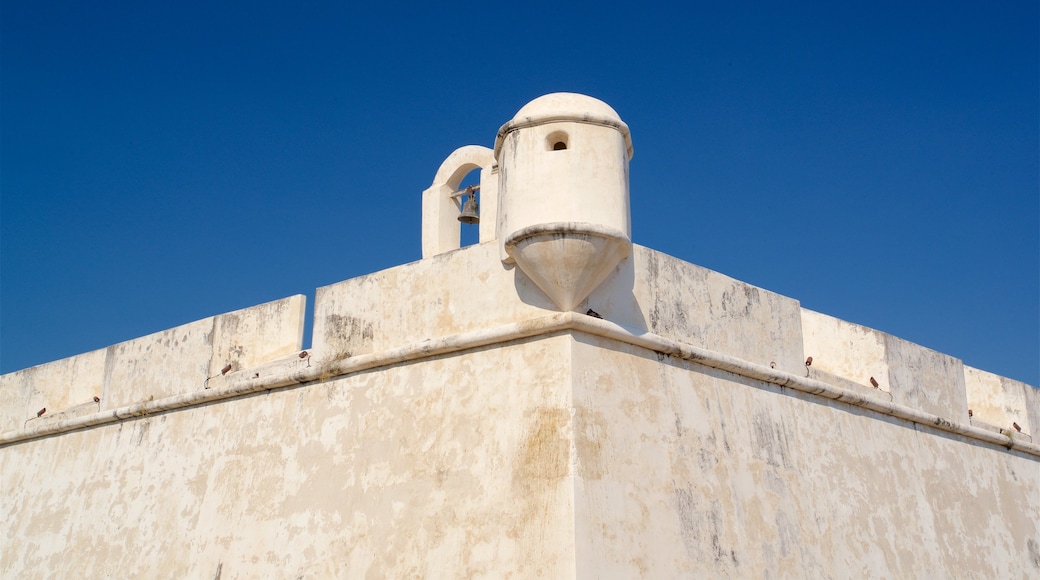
{"x":470,"y":212}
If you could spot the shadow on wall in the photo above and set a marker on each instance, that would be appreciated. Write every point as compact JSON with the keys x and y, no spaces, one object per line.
{"x":614,"y":299}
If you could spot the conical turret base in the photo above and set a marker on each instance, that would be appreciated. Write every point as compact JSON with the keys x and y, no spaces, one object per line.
{"x":568,"y":260}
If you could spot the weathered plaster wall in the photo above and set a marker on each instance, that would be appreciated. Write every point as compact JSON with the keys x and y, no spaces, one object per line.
{"x":64,"y":386}
{"x":470,"y":289}
{"x":451,"y":467}
{"x":453,"y":292}
{"x":846,"y":350}
{"x":926,"y":379}
{"x":667,"y":296}
{"x":166,"y":363}
{"x":689,"y":471}
{"x":1003,"y":402}
{"x":561,"y":455}
{"x":849,"y":355}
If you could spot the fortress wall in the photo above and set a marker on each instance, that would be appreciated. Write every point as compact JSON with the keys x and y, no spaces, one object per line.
{"x":845,"y":350}
{"x":451,"y":467}
{"x":925,"y":379}
{"x":1002,"y":402}
{"x":560,"y":455}
{"x":246,"y":338}
{"x":449,"y":293}
{"x":849,"y":355}
{"x":689,"y":471}
{"x":679,"y":300}
{"x":565,"y":455}
{"x":66,"y":385}
{"x":469,"y":289}
{"x":159,"y":365}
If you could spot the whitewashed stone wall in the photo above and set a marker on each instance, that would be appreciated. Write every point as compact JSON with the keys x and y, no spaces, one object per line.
{"x":426,"y":469}
{"x":564,"y":454}
{"x":164,"y":364}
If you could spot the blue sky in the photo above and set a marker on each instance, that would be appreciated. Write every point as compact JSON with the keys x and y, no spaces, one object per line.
{"x":164,"y":162}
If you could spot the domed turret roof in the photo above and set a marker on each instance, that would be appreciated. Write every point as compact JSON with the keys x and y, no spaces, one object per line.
{"x":556,"y":107}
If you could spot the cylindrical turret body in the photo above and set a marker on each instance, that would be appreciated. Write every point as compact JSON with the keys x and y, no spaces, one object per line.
{"x":563,"y":193}
{"x":563,"y":158}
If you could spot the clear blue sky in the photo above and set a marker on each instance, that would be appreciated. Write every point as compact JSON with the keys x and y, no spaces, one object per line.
{"x":164,"y":162}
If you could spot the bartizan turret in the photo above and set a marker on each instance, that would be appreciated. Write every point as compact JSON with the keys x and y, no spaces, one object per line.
{"x":563,"y":214}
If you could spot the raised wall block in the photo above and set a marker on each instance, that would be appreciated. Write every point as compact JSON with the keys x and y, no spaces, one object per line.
{"x":164,"y":364}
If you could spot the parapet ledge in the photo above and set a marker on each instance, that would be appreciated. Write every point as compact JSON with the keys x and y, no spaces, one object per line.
{"x":290,"y":365}
{"x":157,"y":366}
{"x":449,"y":293}
{"x":469,"y":291}
{"x":849,"y":355}
{"x":1009,"y":404}
{"x":1007,"y":432}
{"x":849,"y":385}
{"x":698,"y":306}
{"x":80,"y":410}
{"x":299,"y":369}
